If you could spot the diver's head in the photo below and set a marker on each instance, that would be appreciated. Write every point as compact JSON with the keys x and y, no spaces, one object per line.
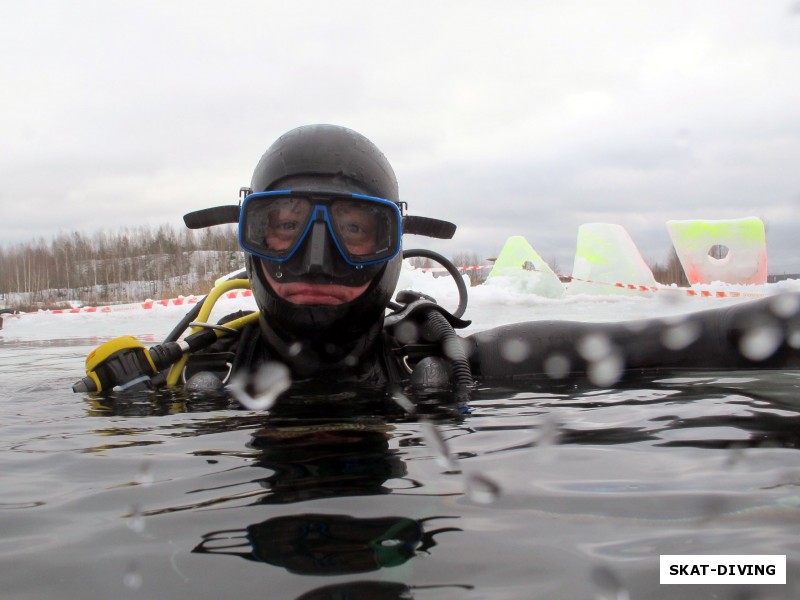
{"x":322,"y":233}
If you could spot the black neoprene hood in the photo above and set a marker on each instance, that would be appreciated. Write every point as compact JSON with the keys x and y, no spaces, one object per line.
{"x":326,"y":151}
{"x":325,"y":157}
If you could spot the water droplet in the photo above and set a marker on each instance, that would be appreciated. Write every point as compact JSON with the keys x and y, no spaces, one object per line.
{"x":515,"y":350}
{"x":403,"y":402}
{"x":436,"y":442}
{"x":481,"y":490}
{"x":549,"y":432}
{"x":761,"y":341}
{"x":135,"y":520}
{"x":678,"y":336}
{"x":785,"y":306}
{"x":609,"y":585}
{"x":132,"y":578}
{"x":145,"y":474}
{"x":406,"y":332}
{"x":605,"y":362}
{"x":269,"y":382}
{"x":295,"y":349}
{"x":793,"y":337}
{"x":556,"y":366}
{"x":606,"y":371}
{"x":594,"y":347}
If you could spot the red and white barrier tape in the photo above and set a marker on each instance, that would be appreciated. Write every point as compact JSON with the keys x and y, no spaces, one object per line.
{"x":147,"y":304}
{"x":233,"y":294}
{"x":692,"y":292}
{"x":443,"y":270}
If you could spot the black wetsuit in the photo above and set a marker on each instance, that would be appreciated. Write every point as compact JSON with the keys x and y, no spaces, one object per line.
{"x":761,"y":334}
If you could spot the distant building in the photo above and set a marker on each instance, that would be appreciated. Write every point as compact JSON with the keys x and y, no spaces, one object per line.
{"x":782,"y":277}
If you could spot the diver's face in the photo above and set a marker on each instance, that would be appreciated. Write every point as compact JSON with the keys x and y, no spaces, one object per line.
{"x":357,"y":231}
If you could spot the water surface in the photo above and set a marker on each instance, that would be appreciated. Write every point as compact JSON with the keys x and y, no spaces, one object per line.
{"x":539,"y":491}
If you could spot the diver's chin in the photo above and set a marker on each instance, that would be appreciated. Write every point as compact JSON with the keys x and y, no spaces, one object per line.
{"x":326,"y":294}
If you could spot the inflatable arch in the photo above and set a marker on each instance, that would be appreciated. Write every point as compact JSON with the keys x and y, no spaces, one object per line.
{"x":605,"y":256}
{"x":730,"y":251}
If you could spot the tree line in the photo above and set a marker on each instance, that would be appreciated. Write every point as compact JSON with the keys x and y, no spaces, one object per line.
{"x":127,"y":265}
{"x":130,"y":265}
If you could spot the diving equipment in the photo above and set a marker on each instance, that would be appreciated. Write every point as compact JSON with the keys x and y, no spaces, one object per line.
{"x":365,"y":230}
{"x":124,"y":364}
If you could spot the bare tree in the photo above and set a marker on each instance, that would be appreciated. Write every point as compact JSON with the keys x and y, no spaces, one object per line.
{"x":473,"y":266}
{"x":671,"y":272}
{"x":103,"y":267}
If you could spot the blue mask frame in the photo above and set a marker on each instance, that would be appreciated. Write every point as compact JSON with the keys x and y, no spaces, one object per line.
{"x":250,"y":235}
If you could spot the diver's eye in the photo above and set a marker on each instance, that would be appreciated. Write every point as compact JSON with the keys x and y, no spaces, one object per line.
{"x":286,"y":226}
{"x":354,"y":229}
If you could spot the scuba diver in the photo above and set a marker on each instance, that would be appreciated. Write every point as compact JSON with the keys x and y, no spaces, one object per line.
{"x":322,"y":224}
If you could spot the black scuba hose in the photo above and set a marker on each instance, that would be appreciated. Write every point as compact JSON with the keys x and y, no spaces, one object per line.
{"x":452,"y":347}
{"x":451,"y":268}
{"x":442,"y":331}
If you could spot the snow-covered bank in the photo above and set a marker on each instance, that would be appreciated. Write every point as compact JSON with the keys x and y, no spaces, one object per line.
{"x":500,"y":301}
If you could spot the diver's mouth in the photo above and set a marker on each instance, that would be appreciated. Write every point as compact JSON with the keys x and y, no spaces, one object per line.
{"x":300,"y":292}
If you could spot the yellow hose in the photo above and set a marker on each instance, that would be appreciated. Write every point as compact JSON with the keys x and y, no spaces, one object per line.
{"x":175,"y":371}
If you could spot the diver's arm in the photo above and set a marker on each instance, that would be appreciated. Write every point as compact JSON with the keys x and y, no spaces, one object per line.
{"x":759,"y":334}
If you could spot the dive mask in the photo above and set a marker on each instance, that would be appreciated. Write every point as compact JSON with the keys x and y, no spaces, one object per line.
{"x":365,"y":230}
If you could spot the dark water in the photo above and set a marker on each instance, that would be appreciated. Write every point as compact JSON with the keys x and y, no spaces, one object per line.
{"x":532,"y":492}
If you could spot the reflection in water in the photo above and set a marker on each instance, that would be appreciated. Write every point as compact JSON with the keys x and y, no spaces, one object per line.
{"x":321,"y":544}
{"x":146,"y":403}
{"x":373,"y":590}
{"x":318,"y":459}
{"x":348,"y":453}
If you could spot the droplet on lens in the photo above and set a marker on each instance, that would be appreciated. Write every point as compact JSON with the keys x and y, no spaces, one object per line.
{"x":609,"y":585}
{"x":785,"y":306}
{"x":481,"y":490}
{"x":594,"y":347}
{"x":760,"y":342}
{"x":145,"y":474}
{"x":403,"y":402}
{"x":135,"y":520}
{"x":515,"y":350}
{"x":436,"y":442}
{"x":549,"y":432}
{"x":556,"y":366}
{"x":678,"y":336}
{"x":269,"y":382}
{"x":132,"y":578}
{"x":607,"y":370}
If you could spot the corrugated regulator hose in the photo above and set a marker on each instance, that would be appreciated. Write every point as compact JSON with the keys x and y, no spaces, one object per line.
{"x":452,"y":347}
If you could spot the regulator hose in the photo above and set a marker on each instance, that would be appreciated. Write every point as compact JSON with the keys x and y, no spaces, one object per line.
{"x":451,"y":268}
{"x":452,"y":347}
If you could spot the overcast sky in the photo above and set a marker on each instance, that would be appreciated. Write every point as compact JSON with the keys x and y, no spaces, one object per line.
{"x":507,"y":117}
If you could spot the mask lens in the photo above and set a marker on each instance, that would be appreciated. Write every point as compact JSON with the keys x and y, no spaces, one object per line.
{"x":364,"y":229}
{"x":273,"y":226}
